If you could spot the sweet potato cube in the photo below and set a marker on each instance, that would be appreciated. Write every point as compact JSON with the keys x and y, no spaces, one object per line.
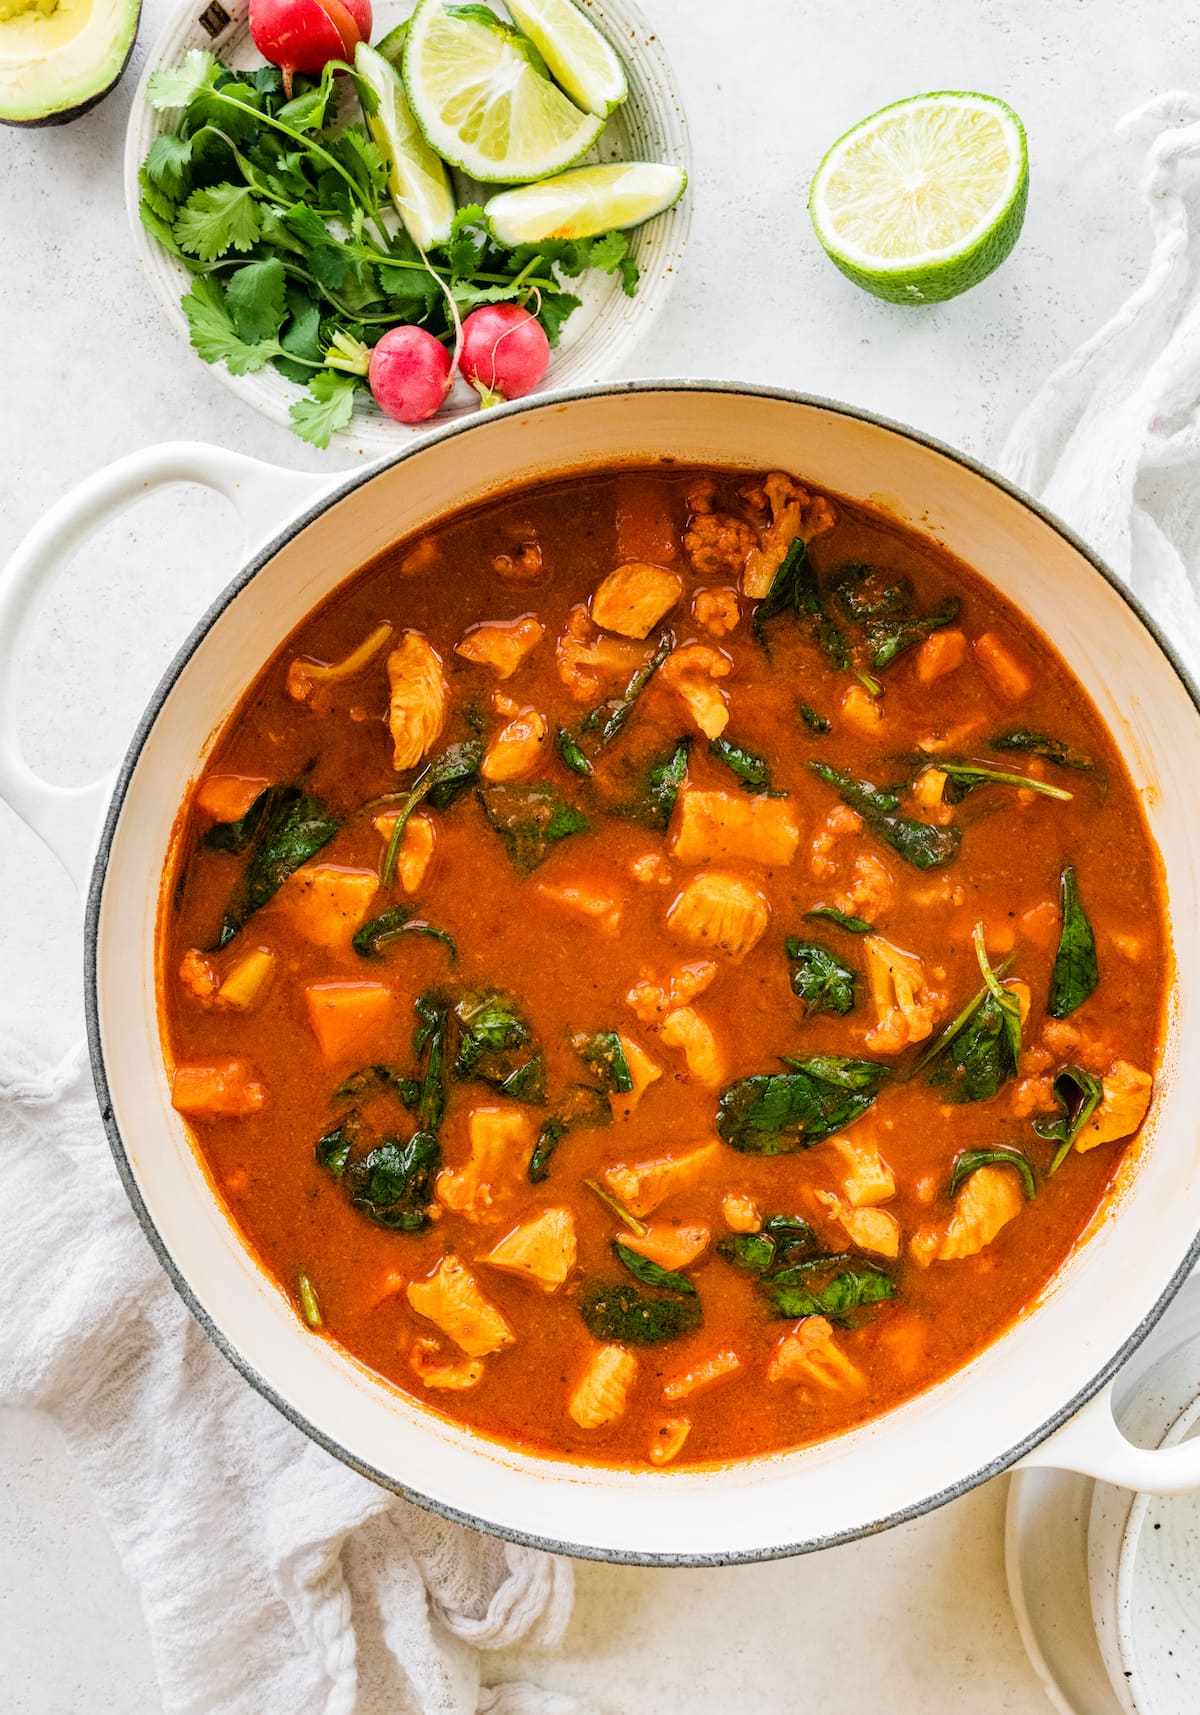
{"x":217,"y":1089}
{"x":712,"y":827}
{"x":1003,"y":672}
{"x":326,"y":902}
{"x":227,"y":797}
{"x":246,"y":981}
{"x":501,"y":1144}
{"x":348,"y":1019}
{"x":632,"y":599}
{"x":541,"y":1250}
{"x":451,"y":1299}
{"x":941,"y":653}
{"x":643,"y":1185}
{"x":588,"y":899}
{"x":599,"y":1395}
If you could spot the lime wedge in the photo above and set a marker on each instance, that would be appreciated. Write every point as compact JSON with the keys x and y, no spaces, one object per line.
{"x":575,"y":52}
{"x":924,"y":199}
{"x":418,"y":183}
{"x":585,"y":201}
{"x":482,"y":100}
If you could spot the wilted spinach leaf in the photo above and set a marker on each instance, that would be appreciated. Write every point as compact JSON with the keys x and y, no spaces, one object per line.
{"x":610,"y":718}
{"x":782,"y":1242}
{"x":291,"y":829}
{"x":651,"y":1273}
{"x":236,"y":836}
{"x":850,"y":1289}
{"x":1078,"y":1094}
{"x":918,"y":843}
{"x":620,"y":1313}
{"x":795,"y":590}
{"x":819,"y":978}
{"x":580,"y":1107}
{"x":408,"y":1089}
{"x":980,"y":1050}
{"x":1049,"y":749}
{"x":1002,"y":1155}
{"x":1076,"y":972}
{"x":746,"y":766}
{"x":573,"y":758}
{"x":776,"y":1113}
{"x":604,"y":1053}
{"x":527,"y":1083}
{"x":529,"y":817}
{"x":389,"y":926}
{"x":655,"y":799}
{"x":813,"y":721}
{"x":965,"y":776}
{"x":333,"y":1150}
{"x":394,"y":1183}
{"x":494,"y":1045}
{"x":852,"y":925}
{"x":881,"y":603}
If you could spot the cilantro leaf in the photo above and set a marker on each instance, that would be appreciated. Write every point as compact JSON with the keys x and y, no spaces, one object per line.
{"x":177,"y":86}
{"x":255,"y":298}
{"x":328,"y":407}
{"x":607,"y":251}
{"x":468,"y":241}
{"x":553,"y":311}
{"x":217,"y":219}
{"x":214,"y":336}
{"x":167,"y":164}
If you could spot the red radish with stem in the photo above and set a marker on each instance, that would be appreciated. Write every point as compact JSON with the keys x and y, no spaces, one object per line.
{"x":410,"y":374}
{"x":302,"y":35}
{"x":505,"y":352}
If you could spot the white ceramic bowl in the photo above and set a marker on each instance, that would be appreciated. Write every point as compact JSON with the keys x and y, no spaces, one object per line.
{"x":650,"y":125}
{"x":1063,"y":1349}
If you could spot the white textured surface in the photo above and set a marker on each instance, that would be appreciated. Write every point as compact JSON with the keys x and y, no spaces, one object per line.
{"x":912,"y":1620}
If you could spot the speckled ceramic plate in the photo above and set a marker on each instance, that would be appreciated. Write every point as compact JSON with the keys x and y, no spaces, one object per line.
{"x":650,"y":125}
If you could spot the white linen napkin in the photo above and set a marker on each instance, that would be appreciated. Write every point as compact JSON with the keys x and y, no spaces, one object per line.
{"x":271,"y":1577}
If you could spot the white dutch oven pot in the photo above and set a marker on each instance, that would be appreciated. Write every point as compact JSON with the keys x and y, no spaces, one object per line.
{"x":1041,"y":1392}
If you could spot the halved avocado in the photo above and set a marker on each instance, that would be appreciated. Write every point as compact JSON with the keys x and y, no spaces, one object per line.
{"x":60,"y":57}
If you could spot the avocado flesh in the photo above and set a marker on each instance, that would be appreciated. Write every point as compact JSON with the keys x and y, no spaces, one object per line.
{"x":60,"y":57}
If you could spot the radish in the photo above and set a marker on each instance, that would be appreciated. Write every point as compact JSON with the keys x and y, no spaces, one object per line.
{"x":410,"y":374}
{"x":504,"y":352}
{"x":302,"y":35}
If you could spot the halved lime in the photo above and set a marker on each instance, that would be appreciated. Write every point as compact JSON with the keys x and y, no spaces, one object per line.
{"x":585,"y":201}
{"x":418,"y":182}
{"x":482,"y":101}
{"x":924,"y":199}
{"x":574,"y":51}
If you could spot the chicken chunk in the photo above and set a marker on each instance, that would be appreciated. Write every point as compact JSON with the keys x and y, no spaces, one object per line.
{"x":794,"y":514}
{"x":501,"y":1142}
{"x":1001,"y":668}
{"x":692,"y":673}
{"x":870,"y":1229}
{"x":650,"y":1000}
{"x":632,"y":599}
{"x":866,"y":1176}
{"x":987,"y":1202}
{"x":716,"y":543}
{"x":643,"y":1072}
{"x":707,"y":1373}
{"x":906,"y":1008}
{"x":1122,"y":1108}
{"x":722,"y":912}
{"x":861,"y":711}
{"x":305,"y":678}
{"x":220,"y":1089}
{"x":586,"y":659}
{"x":587,"y":899}
{"x":326,"y":902}
{"x":424,"y":1356}
{"x":541,"y":1250}
{"x":451,"y":1299}
{"x":941,"y":653}
{"x":517,"y":748}
{"x":227,"y":797}
{"x":417,"y":708}
{"x":684,"y":1028}
{"x":416,"y":852}
{"x":667,"y":1439}
{"x":600,"y":1394}
{"x":502,"y":644}
{"x":644,"y":1186}
{"x":713,"y":827}
{"x":810,"y":1354}
{"x":671,"y":1244}
{"x":716,"y":611}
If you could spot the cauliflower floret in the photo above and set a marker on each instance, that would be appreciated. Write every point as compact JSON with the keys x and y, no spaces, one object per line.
{"x":905,"y":1006}
{"x":716,"y":826}
{"x":794,"y":513}
{"x":468,"y":1372}
{"x":867,"y":1177}
{"x":720,"y":911}
{"x":633,"y":598}
{"x":684,"y":1028}
{"x":522,"y":566}
{"x":691,"y":672}
{"x":869,"y":1229}
{"x":1122,"y":1108}
{"x":644,"y":1185}
{"x":839,"y":822}
{"x":516,"y":749}
{"x":304,"y":676}
{"x":599,"y":1395}
{"x":810,"y":1353}
{"x":417,"y":709}
{"x":541,"y":1250}
{"x":716,"y":610}
{"x":502,"y":644}
{"x":715,"y":543}
{"x":871,"y":889}
{"x":450,"y":1298}
{"x":989,"y":1200}
{"x":501,"y":1143}
{"x":740,"y":1212}
{"x":650,"y":999}
{"x":585,"y":658}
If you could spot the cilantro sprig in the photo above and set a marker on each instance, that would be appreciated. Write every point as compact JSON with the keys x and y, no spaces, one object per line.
{"x":278,"y":207}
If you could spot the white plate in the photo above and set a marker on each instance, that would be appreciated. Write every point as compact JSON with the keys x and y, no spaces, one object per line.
{"x":650,"y":125}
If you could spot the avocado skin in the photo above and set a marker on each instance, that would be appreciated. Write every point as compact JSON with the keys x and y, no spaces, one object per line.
{"x":64,"y":115}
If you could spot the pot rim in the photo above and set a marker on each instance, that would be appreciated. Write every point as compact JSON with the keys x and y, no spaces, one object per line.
{"x":553,"y":400}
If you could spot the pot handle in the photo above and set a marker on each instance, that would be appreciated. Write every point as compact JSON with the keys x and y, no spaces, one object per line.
{"x":68,"y":818}
{"x":1092,"y":1444}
